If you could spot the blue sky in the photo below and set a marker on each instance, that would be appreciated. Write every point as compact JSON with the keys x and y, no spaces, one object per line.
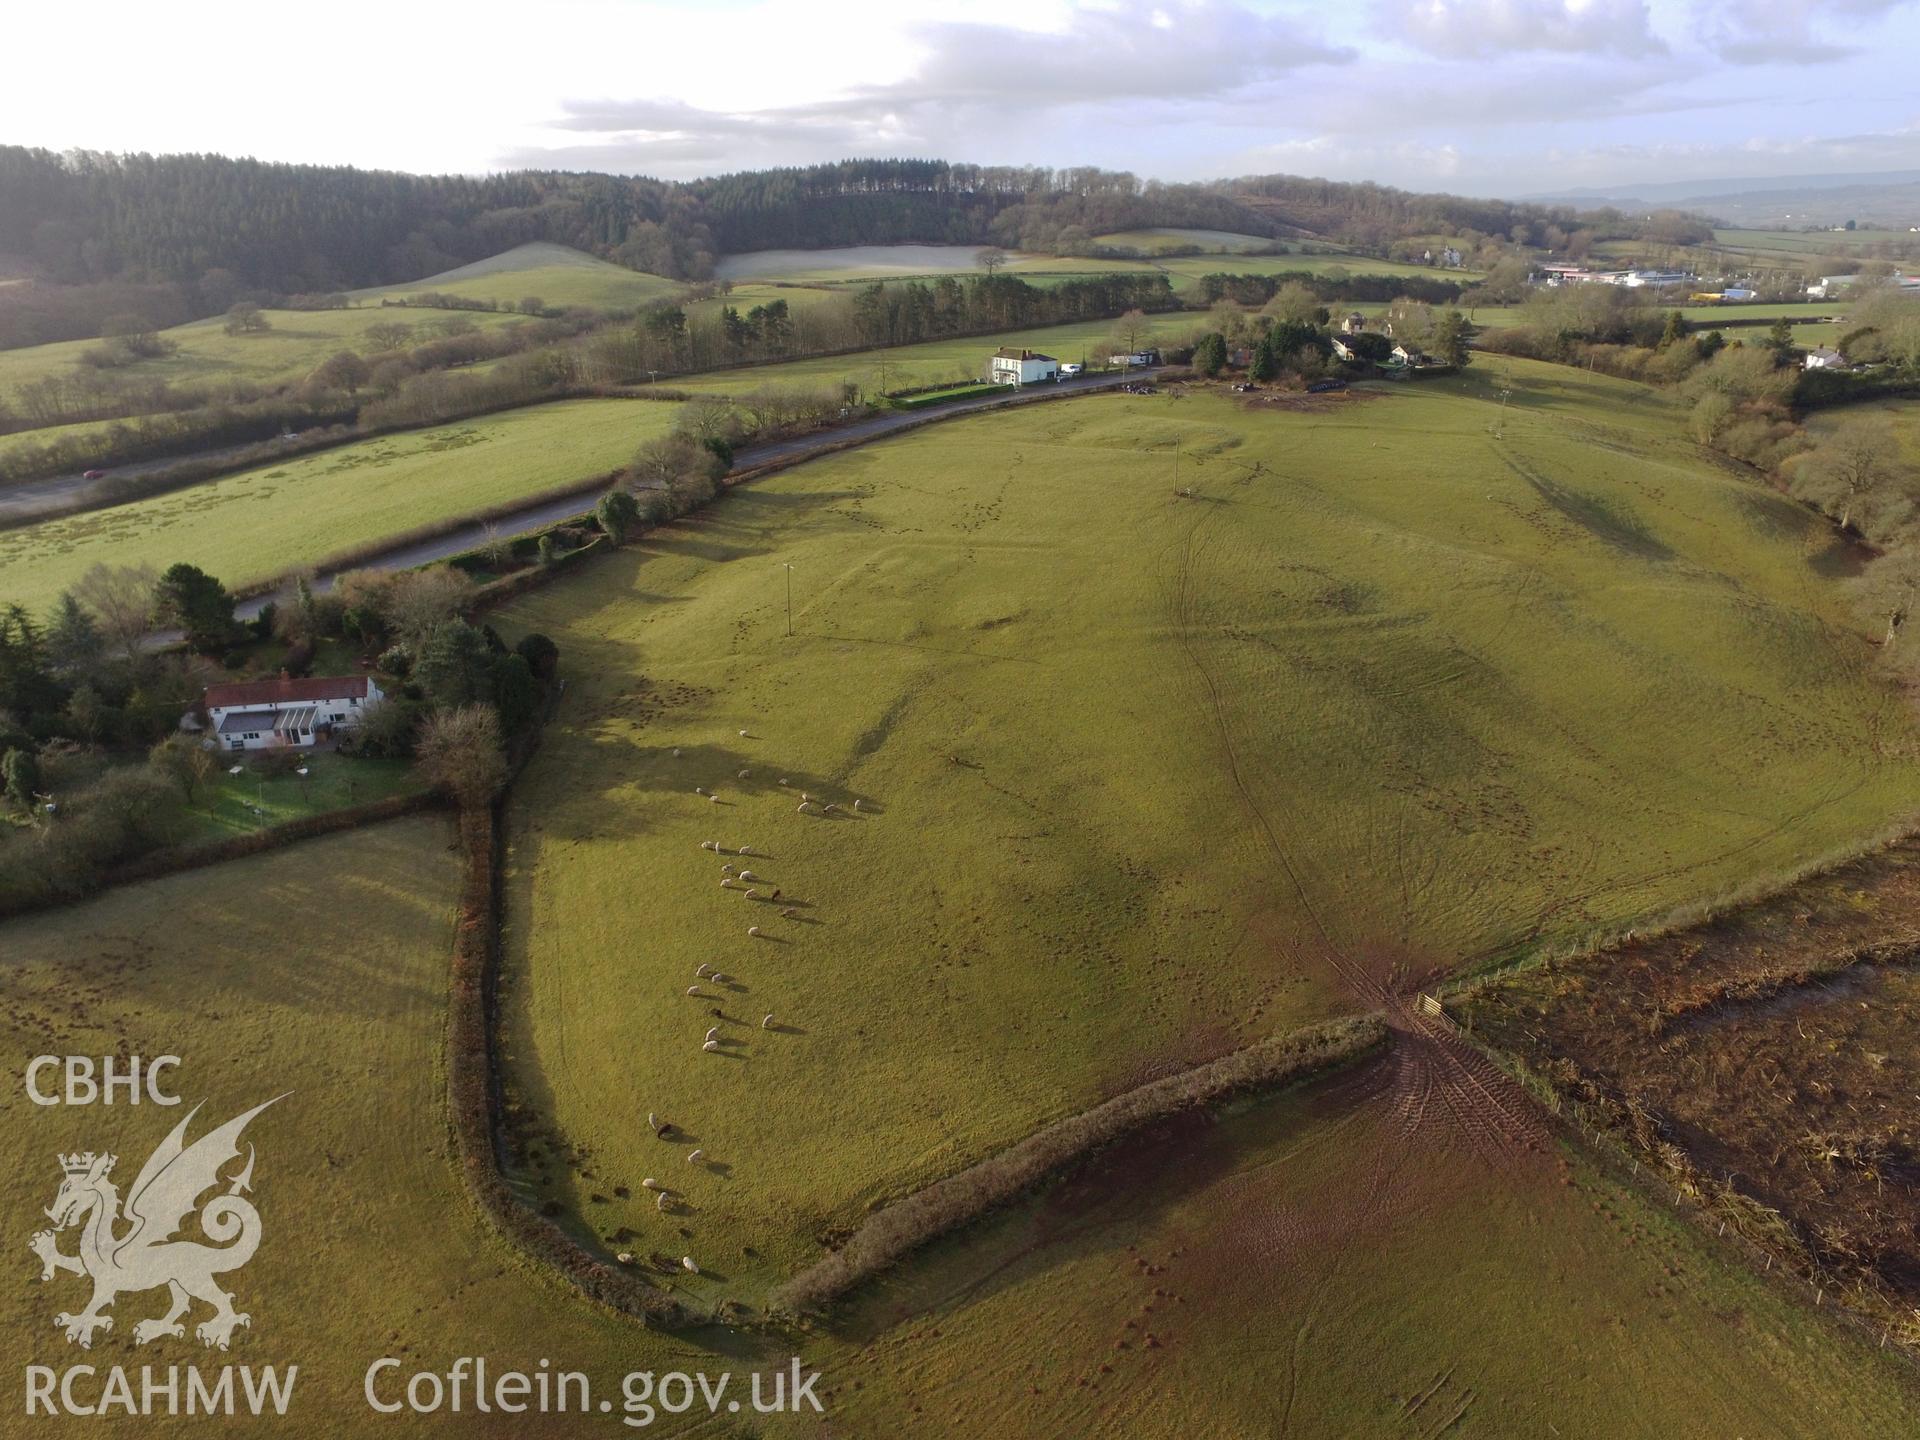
{"x":1482,"y":96}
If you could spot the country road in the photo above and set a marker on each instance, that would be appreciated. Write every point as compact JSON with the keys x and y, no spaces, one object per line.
{"x":778,"y":452}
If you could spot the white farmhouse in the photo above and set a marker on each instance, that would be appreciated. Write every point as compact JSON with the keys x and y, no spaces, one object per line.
{"x":1023,"y":367}
{"x":261,"y":714}
{"x":1824,"y":359}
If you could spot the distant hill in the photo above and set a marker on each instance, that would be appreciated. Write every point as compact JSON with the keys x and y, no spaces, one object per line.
{"x":556,"y":275}
{"x":1883,"y":198}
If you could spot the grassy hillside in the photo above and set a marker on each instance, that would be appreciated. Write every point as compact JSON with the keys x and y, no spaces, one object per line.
{"x":1390,"y":695}
{"x":554,"y":274}
{"x":265,"y":522}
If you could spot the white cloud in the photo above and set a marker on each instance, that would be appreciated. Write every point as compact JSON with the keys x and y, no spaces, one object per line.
{"x":1791,"y":32}
{"x":1466,"y":29}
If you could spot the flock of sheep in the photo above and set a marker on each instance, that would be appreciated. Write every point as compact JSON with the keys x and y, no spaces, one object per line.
{"x":717,"y":1041}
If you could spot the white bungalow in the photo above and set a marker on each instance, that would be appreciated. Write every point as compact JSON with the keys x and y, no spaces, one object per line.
{"x":261,"y":714}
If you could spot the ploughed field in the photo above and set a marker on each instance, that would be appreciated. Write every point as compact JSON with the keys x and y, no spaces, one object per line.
{"x":1154,"y":725}
{"x":295,"y":514}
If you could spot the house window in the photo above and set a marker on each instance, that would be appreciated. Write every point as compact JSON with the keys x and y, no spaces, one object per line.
{"x":236,"y":744}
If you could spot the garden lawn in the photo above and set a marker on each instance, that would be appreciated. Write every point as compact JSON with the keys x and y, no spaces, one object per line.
{"x":257,"y":798}
{"x":1172,"y":715}
{"x":257,"y":524}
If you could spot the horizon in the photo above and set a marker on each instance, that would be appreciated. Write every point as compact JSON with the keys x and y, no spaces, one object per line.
{"x":1504,"y":98}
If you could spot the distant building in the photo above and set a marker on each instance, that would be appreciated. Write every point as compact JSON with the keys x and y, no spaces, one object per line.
{"x":1022,"y":367}
{"x":1353,"y":324}
{"x":261,"y":714}
{"x":1134,"y":361}
{"x":1410,"y":355}
{"x":1654,"y":279}
{"x":1824,"y":359}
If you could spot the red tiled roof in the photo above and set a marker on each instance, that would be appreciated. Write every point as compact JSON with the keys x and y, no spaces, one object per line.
{"x":283,"y":691}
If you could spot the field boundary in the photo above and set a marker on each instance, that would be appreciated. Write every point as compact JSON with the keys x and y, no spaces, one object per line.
{"x":177,"y":859}
{"x":961,"y":1198}
{"x":1627,"y":1138}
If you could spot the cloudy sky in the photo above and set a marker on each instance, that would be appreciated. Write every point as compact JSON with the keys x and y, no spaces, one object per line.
{"x":1481,"y":96}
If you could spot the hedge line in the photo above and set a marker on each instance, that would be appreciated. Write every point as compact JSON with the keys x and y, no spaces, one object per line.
{"x":472,"y":1092}
{"x":177,"y":858}
{"x":959,"y":1199}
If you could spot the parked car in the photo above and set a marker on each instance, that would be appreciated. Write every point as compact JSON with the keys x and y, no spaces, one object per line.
{"x":1067,"y":372}
{"x":94,"y":475}
{"x":1321,"y":387}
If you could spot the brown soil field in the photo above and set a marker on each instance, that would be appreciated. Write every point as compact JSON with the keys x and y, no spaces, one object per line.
{"x":1777,"y":1046}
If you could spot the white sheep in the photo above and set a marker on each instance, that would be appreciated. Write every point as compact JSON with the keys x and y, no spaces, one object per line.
{"x":859,"y":804}
{"x":662,"y":1203}
{"x":676,"y":752}
{"x":711,"y":1046}
{"x":686,"y":1264}
{"x":803,"y":807}
{"x":708,"y":845}
{"x":726,"y":882}
{"x":729,"y":870}
{"x":653,"y":1122}
{"x":744,"y":850}
{"x":749,"y":877}
{"x":694,"y":1157}
{"x":743,"y":735}
{"x":693,"y":990}
{"x":649,"y":1183}
{"x":753,"y":894}
{"x":699,"y":789}
{"x":720,"y":979}
{"x":788,"y":913}
{"x":753,"y":930}
{"x":702,"y":970}
{"x":625,"y":1257}
{"x":804,"y":797}
{"x":783,"y":779}
{"x":713,"y":1034}
{"x":713,"y":799}
{"x":745,"y":773}
{"x":766,"y":1022}
{"x":829,"y":808}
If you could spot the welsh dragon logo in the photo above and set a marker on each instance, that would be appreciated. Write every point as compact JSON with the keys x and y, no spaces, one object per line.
{"x":136,"y":1250}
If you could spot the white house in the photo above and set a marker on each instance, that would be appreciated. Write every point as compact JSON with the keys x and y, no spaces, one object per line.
{"x":260,"y":714}
{"x":1824,"y":359}
{"x":1023,"y":367}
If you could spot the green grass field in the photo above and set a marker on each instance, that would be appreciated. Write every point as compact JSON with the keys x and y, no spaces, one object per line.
{"x":1216,"y":242}
{"x":264,"y":981}
{"x":265,"y":522}
{"x":298,"y":342}
{"x":554,"y":274}
{"x":318,"y":972}
{"x":1390,"y":693}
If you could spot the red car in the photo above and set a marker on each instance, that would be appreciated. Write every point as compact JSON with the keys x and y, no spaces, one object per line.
{"x":94,"y":475}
